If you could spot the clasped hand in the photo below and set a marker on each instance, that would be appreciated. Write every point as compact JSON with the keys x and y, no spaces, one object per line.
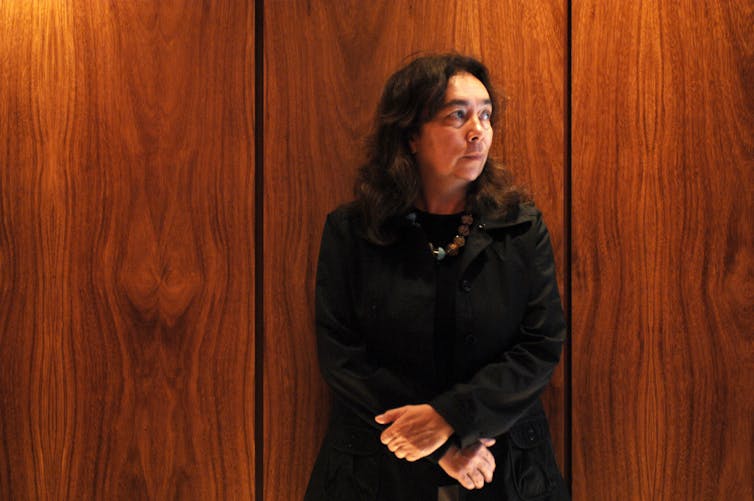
{"x":416,"y":431}
{"x":472,"y":466}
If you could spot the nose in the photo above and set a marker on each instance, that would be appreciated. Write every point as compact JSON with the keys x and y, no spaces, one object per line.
{"x":475,"y":131}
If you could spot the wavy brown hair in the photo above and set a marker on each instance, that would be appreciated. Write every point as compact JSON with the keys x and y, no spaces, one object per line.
{"x":388,"y":184}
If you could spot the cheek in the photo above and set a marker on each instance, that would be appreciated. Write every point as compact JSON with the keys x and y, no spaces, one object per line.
{"x":448,"y":145}
{"x":488,"y":139}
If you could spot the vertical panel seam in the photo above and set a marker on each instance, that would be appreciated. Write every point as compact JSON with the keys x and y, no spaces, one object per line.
{"x":258,"y":248}
{"x":567,"y":214}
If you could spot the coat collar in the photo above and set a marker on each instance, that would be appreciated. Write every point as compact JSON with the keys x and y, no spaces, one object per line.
{"x":522,"y":215}
{"x":480,"y":238}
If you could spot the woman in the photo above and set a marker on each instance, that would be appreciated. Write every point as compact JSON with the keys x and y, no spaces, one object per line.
{"x":438,"y":316}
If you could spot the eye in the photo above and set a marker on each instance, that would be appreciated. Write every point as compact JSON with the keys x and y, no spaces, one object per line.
{"x":458,"y":115}
{"x":485,"y":115}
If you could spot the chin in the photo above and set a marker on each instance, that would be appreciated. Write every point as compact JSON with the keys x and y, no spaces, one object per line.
{"x":471,"y":174}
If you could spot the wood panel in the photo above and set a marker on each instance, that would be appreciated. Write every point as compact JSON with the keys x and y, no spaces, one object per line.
{"x":126,"y":224}
{"x":324,"y":70}
{"x":663,"y":250}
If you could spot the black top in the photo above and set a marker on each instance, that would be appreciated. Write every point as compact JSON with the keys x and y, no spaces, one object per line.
{"x":440,"y":230}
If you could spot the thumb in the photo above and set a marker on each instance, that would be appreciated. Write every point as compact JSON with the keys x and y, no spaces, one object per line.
{"x":487,"y":442}
{"x":390,"y":415}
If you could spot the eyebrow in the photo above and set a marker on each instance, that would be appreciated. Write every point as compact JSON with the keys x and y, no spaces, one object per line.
{"x":463,"y":102}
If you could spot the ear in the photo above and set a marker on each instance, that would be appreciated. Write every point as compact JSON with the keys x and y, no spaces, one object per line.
{"x":412,"y":144}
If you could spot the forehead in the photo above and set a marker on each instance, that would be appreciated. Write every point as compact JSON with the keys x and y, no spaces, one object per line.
{"x":466,"y":87}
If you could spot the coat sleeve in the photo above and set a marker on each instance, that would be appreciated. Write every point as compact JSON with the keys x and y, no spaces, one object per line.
{"x":501,"y":392}
{"x":367,"y":389}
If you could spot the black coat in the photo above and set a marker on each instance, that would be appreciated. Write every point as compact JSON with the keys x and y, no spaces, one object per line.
{"x":375,"y":326}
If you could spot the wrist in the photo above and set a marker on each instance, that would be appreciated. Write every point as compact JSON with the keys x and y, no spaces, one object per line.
{"x":447,"y":455}
{"x":444,"y":427}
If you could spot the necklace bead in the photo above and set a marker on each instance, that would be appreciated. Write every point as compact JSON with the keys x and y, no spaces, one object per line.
{"x":458,"y":241}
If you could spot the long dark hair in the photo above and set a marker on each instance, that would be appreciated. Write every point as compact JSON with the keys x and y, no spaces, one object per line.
{"x":388,"y":184}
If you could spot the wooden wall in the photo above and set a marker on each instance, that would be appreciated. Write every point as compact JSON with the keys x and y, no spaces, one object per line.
{"x":165,"y":170}
{"x":663,"y":250}
{"x":126,"y":251}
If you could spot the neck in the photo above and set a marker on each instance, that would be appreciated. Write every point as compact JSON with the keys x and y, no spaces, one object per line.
{"x":446,"y":203}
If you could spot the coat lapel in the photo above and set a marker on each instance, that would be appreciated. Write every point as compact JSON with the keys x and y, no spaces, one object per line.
{"x":476,"y":242}
{"x":480,"y":238}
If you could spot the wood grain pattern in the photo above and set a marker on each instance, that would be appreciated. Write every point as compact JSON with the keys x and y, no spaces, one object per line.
{"x":127,"y":218}
{"x":324,"y":70}
{"x":663,"y":250}
{"x":126,"y":208}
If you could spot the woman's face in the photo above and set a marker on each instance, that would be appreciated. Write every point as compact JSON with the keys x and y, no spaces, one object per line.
{"x":451,"y":148}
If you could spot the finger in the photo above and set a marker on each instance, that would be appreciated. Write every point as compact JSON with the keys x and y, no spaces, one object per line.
{"x":390,"y":415}
{"x":389,"y":435}
{"x":393,"y":446}
{"x":382,"y":418}
{"x":487,"y":473}
{"x":400,"y":450}
{"x":466,"y":482}
{"x":415,"y":454}
{"x":488,"y":460}
{"x":386,"y":436}
{"x":478,"y":477}
{"x":487,"y":442}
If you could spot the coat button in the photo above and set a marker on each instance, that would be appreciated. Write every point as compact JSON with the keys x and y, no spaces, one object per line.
{"x":531,"y":434}
{"x":469,"y":339}
{"x":480,"y":226}
{"x":465,"y":286}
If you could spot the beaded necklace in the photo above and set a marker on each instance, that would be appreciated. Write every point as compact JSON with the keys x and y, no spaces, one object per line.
{"x":452,"y":248}
{"x":458,"y":241}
